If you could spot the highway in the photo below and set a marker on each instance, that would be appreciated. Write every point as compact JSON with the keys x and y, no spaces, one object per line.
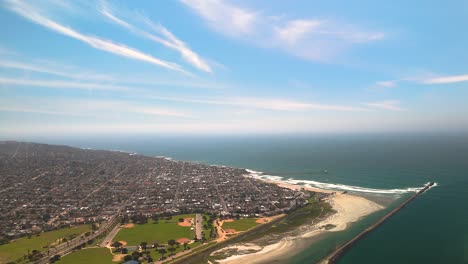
{"x":67,"y":247}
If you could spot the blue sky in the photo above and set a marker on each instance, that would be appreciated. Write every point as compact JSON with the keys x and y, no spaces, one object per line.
{"x":228,"y":67}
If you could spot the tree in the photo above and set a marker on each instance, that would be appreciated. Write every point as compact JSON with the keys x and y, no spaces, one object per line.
{"x":185,"y":246}
{"x":127,"y":258}
{"x":171,"y":242}
{"x":116,"y":244}
{"x":136,"y":255}
{"x":172,"y":249}
{"x":162,"y":251}
{"x":143,"y":245}
{"x":181,"y":220}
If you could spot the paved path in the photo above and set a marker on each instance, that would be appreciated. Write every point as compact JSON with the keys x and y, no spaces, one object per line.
{"x":107,"y":241}
{"x":198,"y":226}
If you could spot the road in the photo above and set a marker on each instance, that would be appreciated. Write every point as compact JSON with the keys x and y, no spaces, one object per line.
{"x":107,"y":241}
{"x":65,"y":248}
{"x":198,"y":226}
{"x":176,"y":195}
{"x":221,"y":198}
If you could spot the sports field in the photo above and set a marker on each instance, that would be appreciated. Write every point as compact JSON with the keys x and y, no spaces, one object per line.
{"x":159,"y":232}
{"x":18,"y":248}
{"x":89,"y":256}
{"x":241,"y":224}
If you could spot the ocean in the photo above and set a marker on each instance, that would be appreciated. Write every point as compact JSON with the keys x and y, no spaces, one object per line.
{"x":431,"y":229}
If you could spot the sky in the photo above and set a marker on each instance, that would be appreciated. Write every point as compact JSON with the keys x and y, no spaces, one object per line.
{"x":232,"y":67}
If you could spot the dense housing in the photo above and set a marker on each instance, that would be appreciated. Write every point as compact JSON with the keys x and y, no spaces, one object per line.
{"x":43,"y":187}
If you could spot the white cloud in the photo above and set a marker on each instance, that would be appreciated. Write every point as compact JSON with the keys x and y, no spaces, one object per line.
{"x":61,"y":84}
{"x":86,"y":108}
{"x":264,"y":103}
{"x":386,"y":84}
{"x":170,"y":41}
{"x":31,"y":13}
{"x":278,"y":104}
{"x":391,"y":105}
{"x":446,"y":79}
{"x":225,"y":18}
{"x":296,"y":30}
{"x":57,"y":70}
{"x":312,"y":39}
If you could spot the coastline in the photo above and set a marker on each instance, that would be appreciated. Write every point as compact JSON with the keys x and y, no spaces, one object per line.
{"x":348,"y":209}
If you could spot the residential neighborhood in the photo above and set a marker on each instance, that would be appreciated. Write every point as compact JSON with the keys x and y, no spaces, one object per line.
{"x":46,"y":187}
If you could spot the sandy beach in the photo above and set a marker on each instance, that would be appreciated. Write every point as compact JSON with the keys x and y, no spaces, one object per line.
{"x":349,"y":208}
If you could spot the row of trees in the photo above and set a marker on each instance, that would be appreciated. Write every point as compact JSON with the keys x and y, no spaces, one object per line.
{"x":170,"y":247}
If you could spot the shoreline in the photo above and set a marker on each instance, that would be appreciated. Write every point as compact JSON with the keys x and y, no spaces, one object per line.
{"x":348,"y":209}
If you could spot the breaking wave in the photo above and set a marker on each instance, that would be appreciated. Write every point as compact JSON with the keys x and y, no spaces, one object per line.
{"x":334,"y":186}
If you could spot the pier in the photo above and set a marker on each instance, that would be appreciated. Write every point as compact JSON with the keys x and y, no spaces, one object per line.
{"x":335,"y":255}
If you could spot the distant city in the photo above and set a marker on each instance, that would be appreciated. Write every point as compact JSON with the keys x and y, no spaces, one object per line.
{"x":47,"y":187}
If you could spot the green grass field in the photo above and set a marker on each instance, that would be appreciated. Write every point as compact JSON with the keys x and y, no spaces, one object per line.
{"x":241,"y":224}
{"x":19,"y":247}
{"x":88,"y":256}
{"x":161,"y":232}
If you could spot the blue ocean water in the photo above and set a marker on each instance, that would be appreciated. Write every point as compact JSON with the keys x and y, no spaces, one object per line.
{"x":432,"y":229}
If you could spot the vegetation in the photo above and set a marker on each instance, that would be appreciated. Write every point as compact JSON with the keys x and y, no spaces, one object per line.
{"x":292,"y":220}
{"x":161,"y":231}
{"x":89,"y":255}
{"x":21,"y":247}
{"x":241,"y":224}
{"x":312,"y":210}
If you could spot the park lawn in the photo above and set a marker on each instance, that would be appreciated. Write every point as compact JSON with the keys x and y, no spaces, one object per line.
{"x":88,"y":256}
{"x":155,"y":254}
{"x":151,"y":232}
{"x":241,"y":224}
{"x":19,"y":247}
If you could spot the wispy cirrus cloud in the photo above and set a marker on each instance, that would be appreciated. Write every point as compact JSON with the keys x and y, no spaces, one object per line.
{"x":446,"y":79}
{"x":43,"y":67}
{"x":33,"y":14}
{"x":426,"y":79}
{"x":167,"y":38}
{"x":311,"y":39}
{"x":277,"y":104}
{"x":60,"y":84}
{"x":386,"y":84}
{"x":86,"y":108}
{"x":392,"y":105}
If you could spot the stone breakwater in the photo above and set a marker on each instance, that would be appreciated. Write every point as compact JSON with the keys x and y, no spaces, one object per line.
{"x":335,"y":255}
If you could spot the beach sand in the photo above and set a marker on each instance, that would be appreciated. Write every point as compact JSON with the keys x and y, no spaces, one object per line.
{"x":349,"y":208}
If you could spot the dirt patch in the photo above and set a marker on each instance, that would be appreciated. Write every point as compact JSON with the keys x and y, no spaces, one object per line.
{"x":262,"y":221}
{"x":230,"y":231}
{"x":186,"y":222}
{"x":229,"y":220}
{"x":124,"y":243}
{"x":183,"y":240}
{"x":118,"y":257}
{"x":129,"y":226}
